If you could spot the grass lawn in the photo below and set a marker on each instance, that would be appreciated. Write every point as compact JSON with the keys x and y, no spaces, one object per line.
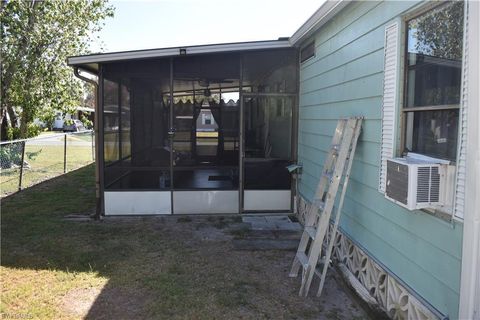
{"x":44,"y":162}
{"x":83,"y":136}
{"x":140,"y":268}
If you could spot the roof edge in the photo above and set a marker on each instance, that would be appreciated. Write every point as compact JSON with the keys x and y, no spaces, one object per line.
{"x":177,"y":51}
{"x":326,"y":12}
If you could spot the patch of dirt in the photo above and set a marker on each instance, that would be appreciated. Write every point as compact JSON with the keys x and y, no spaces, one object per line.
{"x":78,"y":301}
{"x":188,"y":268}
{"x":120,"y":303}
{"x":110,"y":302}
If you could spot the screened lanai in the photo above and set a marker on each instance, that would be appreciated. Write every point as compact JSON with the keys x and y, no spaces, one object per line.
{"x":198,"y":133}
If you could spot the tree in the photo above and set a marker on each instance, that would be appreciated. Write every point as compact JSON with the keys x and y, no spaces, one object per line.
{"x":440,"y":33}
{"x":37,"y":36}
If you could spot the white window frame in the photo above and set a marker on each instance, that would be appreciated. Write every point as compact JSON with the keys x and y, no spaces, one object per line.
{"x":470,"y":279}
{"x":415,"y":13}
{"x":393,"y":130}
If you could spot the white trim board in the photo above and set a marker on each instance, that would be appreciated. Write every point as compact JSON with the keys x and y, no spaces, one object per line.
{"x":324,"y":14}
{"x":470,"y":278}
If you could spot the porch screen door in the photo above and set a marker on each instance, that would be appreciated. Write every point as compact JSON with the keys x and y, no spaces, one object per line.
{"x":267,"y":151}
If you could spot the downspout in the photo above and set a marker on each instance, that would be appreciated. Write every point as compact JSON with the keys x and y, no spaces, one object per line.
{"x":98,"y":193}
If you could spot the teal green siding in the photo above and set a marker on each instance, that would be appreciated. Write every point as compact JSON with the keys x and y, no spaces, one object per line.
{"x":345,"y":78}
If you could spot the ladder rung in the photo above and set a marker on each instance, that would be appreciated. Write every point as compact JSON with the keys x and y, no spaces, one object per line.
{"x":318,"y":270}
{"x":328,"y":175}
{"x":319,"y":204}
{"x":312,"y":232}
{"x":334,"y":149}
{"x":321,"y":260}
{"x":303,"y":259}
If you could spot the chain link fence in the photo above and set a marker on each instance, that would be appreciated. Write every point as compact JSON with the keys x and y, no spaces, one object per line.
{"x":31,"y":161}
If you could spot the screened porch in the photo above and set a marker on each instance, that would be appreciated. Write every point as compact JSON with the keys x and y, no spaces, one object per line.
{"x":203,"y":133}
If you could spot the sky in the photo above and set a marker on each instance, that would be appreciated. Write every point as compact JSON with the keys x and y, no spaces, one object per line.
{"x":171,"y":23}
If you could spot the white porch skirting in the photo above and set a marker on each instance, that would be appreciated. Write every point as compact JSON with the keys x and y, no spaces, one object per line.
{"x":267,"y":200}
{"x":137,"y":202}
{"x":205,"y":202}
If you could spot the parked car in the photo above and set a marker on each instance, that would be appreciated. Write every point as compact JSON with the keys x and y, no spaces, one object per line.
{"x":73,"y":126}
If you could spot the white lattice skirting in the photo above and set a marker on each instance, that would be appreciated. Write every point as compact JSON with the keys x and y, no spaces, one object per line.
{"x":392,"y":296}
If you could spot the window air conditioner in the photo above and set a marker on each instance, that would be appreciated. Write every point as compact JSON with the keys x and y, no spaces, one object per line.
{"x":416,"y":182}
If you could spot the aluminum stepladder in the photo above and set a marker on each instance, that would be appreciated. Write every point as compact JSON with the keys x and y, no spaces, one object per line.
{"x":338,"y":164}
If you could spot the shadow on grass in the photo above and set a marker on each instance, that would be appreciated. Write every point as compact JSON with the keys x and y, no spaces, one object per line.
{"x":35,"y":236}
{"x":150,"y":271}
{"x":134,"y":268}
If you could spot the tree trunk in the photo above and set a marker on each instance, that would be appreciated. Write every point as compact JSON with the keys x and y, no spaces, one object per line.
{"x":3,"y":125}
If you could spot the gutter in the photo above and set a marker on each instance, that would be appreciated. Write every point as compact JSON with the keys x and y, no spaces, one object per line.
{"x":98,"y":193}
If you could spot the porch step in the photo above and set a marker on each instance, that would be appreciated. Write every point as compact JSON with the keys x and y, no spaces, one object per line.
{"x":265,"y":244}
{"x":272,"y":223}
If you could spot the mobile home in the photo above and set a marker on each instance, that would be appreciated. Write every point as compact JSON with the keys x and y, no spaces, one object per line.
{"x":410,"y":69}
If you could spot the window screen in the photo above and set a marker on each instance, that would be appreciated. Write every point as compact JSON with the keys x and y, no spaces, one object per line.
{"x":433,"y":76}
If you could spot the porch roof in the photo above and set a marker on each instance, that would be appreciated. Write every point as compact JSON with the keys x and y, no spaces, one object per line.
{"x":90,"y":62}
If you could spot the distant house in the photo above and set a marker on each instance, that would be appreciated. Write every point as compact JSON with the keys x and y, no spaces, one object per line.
{"x":81,"y":112}
{"x":205,"y":121}
{"x":409,"y":68}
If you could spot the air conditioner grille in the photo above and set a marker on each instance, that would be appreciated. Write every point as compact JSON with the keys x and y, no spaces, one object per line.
{"x":435,"y":185}
{"x":428,"y":185}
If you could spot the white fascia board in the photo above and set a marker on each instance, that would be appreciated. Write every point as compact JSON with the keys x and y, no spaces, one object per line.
{"x":326,"y":12}
{"x":168,"y":52}
{"x":469,"y":307}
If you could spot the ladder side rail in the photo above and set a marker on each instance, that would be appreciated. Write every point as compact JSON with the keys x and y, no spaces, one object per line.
{"x":316,"y":247}
{"x":312,"y":213}
{"x":338,"y":171}
{"x":330,"y":160}
{"x":340,"y":206}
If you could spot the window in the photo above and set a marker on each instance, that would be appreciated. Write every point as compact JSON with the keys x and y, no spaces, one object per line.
{"x":307,"y":52}
{"x":433,"y":67}
{"x":110,"y":121}
{"x":207,"y":119}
